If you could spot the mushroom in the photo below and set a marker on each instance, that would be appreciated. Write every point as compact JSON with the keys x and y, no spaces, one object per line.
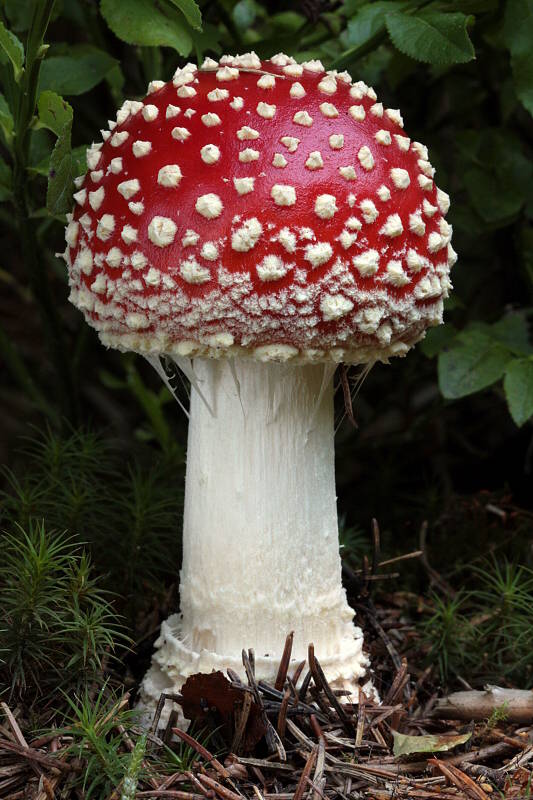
{"x":259,"y":223}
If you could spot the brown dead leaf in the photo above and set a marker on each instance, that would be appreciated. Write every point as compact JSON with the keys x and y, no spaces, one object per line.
{"x":213,"y":694}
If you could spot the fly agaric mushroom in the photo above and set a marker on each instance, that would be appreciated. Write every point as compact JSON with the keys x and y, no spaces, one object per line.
{"x":259,"y":223}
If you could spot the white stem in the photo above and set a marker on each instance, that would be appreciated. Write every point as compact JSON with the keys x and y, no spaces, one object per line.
{"x":260,"y":537}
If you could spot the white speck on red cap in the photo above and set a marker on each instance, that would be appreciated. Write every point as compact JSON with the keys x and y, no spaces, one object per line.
{"x":105,"y":227}
{"x":383,"y":137}
{"x":314,"y":160}
{"x":155,"y":86}
{"x":400,"y":177}
{"x":191,"y":238}
{"x":80,"y":197}
{"x":417,"y":224}
{"x":266,"y":110}
{"x":366,"y":159}
{"x":244,"y":185}
{"x":357,"y":113}
{"x":172,"y":111}
{"x":272,"y":268}
{"x":129,"y":234}
{"x":327,"y":85}
{"x":329,"y":110}
{"x":128,"y":188}
{"x":283,"y":195}
{"x":227,"y":74}
{"x":210,"y":154}
{"x":180,"y":134}
{"x":393,"y":226}
{"x":141,"y":148}
{"x":348,"y":172}
{"x":425,"y":183}
{"x":403,"y":142}
{"x":428,"y":209}
{"x":96,"y":198}
{"x":186,"y":92}
{"x":266,"y":82}
{"x":119,"y":138}
{"x":209,"y":205}
{"x":370,"y":212}
{"x":297,"y":90}
{"x":367,"y":263}
{"x":211,"y":120}
{"x":335,"y":306}
{"x":170,"y":175}
{"x":290,"y":142}
{"x":115,"y":165}
{"x":394,"y":115}
{"x":216,"y":95}
{"x":150,"y":112}
{"x":303,"y":118}
{"x":247,"y":134}
{"x":209,"y":251}
{"x":248,"y":154}
{"x":193,"y":272}
{"x":336,"y":141}
{"x":247,"y":235}
{"x":161,"y":231}
{"x":293,"y":70}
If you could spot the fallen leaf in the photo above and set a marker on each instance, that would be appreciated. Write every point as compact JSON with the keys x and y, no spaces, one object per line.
{"x":204,"y":694}
{"x":404,"y":745}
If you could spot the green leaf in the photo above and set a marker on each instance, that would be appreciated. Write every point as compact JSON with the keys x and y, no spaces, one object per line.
{"x":474,"y":361}
{"x":404,"y":745}
{"x":142,"y":22}
{"x":369,"y":19}
{"x":513,"y":332}
{"x":190,"y":11}
{"x":518,"y":36}
{"x":79,"y":162}
{"x":76,"y":71}
{"x":6,"y":120}
{"x":497,"y":175}
{"x":518,"y":387}
{"x":19,"y":13}
{"x":437,"y":339}
{"x":56,"y":115}
{"x":431,"y":36}
{"x":11,"y":49}
{"x":244,"y":14}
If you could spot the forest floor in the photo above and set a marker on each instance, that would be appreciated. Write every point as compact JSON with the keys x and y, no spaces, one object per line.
{"x":253,"y":740}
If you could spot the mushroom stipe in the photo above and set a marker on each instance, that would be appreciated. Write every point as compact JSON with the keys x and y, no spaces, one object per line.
{"x":259,"y":223}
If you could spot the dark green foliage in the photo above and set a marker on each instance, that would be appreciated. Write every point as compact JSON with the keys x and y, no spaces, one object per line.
{"x":95,"y":724}
{"x":56,"y":622}
{"x":129,"y":514}
{"x":485,"y":631}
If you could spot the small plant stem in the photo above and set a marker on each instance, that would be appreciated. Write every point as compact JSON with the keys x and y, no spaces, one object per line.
{"x":25,"y":96}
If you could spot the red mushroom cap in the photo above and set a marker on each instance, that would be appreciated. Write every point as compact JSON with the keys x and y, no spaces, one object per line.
{"x":265,"y":209}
